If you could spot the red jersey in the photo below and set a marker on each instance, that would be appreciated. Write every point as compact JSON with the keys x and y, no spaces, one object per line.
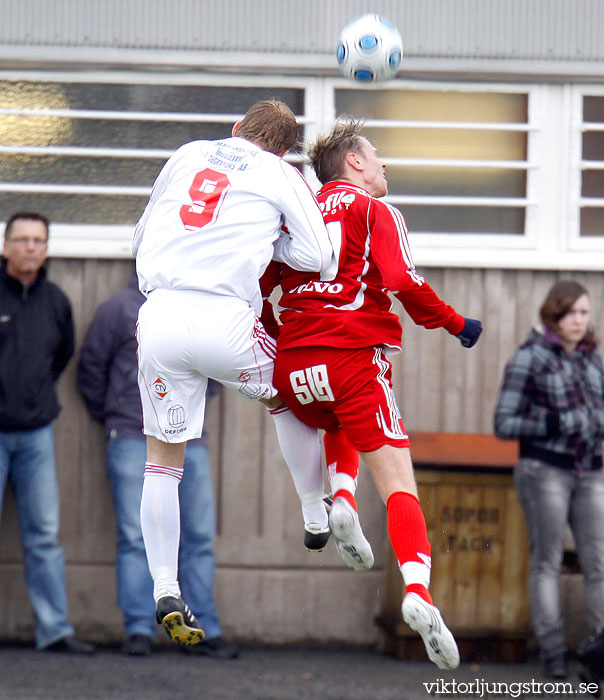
{"x":354,"y":310}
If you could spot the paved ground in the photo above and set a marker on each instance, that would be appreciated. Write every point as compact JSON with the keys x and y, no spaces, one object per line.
{"x":276,"y":673}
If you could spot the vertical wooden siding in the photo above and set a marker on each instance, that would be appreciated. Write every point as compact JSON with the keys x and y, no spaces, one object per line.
{"x":268,"y":587}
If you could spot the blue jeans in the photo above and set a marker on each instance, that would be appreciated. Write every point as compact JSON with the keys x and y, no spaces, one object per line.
{"x":551,"y":497}
{"x":196,"y":562}
{"x":27,"y":460}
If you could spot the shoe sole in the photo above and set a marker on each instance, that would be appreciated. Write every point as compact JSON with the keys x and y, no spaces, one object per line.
{"x":355,"y":551}
{"x":179,"y":632}
{"x":428,"y":623}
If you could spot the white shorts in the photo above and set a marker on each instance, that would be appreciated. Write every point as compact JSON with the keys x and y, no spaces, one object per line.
{"x":184,"y":337}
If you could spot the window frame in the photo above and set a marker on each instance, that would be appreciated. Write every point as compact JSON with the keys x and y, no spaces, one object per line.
{"x":553,"y":163}
{"x":577,"y":165}
{"x":115,"y":241}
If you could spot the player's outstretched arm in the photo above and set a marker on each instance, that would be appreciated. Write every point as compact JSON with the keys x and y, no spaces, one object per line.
{"x":392,"y":254}
{"x":306,"y":246}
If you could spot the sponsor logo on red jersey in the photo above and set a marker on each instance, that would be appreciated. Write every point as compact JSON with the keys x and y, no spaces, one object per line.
{"x":335,"y":201}
{"x":321,"y":287}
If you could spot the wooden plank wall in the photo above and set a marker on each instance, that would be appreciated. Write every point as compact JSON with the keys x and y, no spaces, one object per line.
{"x":268,"y":587}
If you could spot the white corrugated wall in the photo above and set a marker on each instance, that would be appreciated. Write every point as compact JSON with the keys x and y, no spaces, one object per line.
{"x":566,"y":30}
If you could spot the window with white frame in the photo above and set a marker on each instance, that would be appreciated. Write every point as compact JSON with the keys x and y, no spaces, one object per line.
{"x":481,"y":171}
{"x":85,"y":150}
{"x":486,"y":173}
{"x":456,"y":159}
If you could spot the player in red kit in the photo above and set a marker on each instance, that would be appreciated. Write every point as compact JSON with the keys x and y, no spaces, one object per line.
{"x":332,"y":365}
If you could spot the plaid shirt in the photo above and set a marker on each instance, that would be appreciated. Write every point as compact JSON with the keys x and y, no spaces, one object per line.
{"x":553,"y":403}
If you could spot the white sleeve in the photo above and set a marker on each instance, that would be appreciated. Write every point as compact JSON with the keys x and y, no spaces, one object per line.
{"x":159,"y":187}
{"x":306,"y":245}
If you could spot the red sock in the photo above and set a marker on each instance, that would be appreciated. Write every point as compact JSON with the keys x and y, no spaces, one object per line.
{"x":421,"y":591}
{"x":342,"y":493}
{"x":409,"y":538}
{"x":342,"y":464}
{"x":339,"y":451}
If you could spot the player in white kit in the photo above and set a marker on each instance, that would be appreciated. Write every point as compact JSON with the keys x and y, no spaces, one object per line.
{"x":218,"y":213}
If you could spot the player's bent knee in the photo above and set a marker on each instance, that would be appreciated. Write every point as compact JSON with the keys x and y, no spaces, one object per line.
{"x":273,"y":403}
{"x":165,"y":453}
{"x":392,"y":470}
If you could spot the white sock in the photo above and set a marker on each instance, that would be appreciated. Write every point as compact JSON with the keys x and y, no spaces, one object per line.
{"x":342,"y":482}
{"x":301,"y":449}
{"x":313,"y":508}
{"x":160,"y":523}
{"x":414,"y":572}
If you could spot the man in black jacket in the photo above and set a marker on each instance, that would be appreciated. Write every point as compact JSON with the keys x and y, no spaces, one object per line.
{"x":36,"y":343}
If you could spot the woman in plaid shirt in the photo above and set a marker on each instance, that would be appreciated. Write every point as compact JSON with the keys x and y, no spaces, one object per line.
{"x":552,"y":401}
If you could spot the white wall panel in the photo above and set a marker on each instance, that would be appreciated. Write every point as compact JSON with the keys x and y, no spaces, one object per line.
{"x":564,"y":30}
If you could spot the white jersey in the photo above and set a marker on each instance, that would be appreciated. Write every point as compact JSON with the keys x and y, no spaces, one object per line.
{"x":215,"y":220}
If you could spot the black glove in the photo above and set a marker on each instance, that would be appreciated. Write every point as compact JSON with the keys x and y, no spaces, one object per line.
{"x":470,"y":333}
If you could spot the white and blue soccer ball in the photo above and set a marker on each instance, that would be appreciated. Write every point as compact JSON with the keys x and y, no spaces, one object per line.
{"x":370,"y":49}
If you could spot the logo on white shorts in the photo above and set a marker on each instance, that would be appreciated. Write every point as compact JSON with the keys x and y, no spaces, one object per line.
{"x":160,"y":388}
{"x":176,"y":416}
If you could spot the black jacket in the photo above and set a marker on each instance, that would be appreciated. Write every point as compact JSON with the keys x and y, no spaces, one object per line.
{"x":107,"y":369}
{"x":36,"y":343}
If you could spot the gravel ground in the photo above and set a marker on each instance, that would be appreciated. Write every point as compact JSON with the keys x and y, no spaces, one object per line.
{"x":272,"y":673}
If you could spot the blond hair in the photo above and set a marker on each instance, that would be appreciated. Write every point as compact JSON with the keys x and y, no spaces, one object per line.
{"x":271,"y":125}
{"x":328,"y":153}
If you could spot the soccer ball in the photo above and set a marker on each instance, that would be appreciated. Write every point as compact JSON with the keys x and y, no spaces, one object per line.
{"x":370,"y":49}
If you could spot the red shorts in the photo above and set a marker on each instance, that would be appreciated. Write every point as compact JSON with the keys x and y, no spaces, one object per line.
{"x":330,"y":388}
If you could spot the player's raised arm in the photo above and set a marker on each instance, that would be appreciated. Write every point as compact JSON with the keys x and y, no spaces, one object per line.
{"x":392,"y":254}
{"x":306,"y":245}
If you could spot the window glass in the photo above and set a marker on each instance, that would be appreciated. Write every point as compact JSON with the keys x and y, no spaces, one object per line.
{"x":200,"y":99}
{"x":133,"y":172}
{"x":76,"y":209}
{"x":593,"y":108}
{"x":463,"y":219}
{"x":592,"y":221}
{"x":479,"y":182}
{"x":592,"y":183}
{"x":593,"y":145}
{"x":49,"y":131}
{"x":433,"y":105}
{"x":448,"y":143}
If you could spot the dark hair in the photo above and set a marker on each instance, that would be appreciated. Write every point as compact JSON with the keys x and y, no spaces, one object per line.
{"x":328,"y":153}
{"x":558,"y":302}
{"x":30,"y":216}
{"x":271,"y":125}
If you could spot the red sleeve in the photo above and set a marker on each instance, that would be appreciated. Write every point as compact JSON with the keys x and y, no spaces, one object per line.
{"x":269,"y":280}
{"x":392,"y":255}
